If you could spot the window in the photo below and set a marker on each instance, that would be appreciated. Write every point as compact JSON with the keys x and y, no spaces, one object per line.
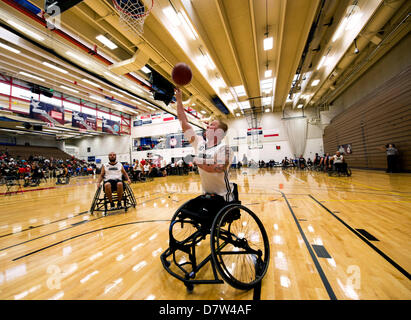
{"x":71,"y":106}
{"x":102,"y":115}
{"x":72,"y":99}
{"x":115,"y":118}
{"x":53,"y":101}
{"x":22,"y":93}
{"x":89,"y":111}
{"x":4,"y":88}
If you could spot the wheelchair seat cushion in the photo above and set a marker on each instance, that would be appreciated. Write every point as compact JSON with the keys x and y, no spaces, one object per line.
{"x":204,"y":208}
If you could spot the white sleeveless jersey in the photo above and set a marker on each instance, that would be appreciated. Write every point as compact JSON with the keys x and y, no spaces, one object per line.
{"x":338,"y":159}
{"x":113,"y":171}
{"x":213,"y":182}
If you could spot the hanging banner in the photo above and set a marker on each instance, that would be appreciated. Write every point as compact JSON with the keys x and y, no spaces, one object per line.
{"x":111,"y":126}
{"x":84,"y":121}
{"x":46,"y":112}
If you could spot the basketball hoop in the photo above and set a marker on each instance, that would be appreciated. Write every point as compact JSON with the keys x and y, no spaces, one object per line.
{"x":133,"y":13}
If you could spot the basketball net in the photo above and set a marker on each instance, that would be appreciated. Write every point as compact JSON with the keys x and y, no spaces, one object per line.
{"x":132,"y":14}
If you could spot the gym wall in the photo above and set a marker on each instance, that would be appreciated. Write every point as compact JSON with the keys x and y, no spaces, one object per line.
{"x":237,"y":136}
{"x":376,"y":110}
{"x":272,"y":123}
{"x":100,"y":147}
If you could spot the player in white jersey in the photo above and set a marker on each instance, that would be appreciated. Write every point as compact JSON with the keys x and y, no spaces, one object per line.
{"x":112,"y":174}
{"x":339,"y":162}
{"x":213,"y":157}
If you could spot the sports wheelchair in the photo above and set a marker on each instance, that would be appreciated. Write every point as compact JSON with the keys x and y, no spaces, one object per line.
{"x":345,"y":170}
{"x":239,"y":244}
{"x":32,"y":182}
{"x":10,"y":182}
{"x":100,"y":201}
{"x":63,"y":179}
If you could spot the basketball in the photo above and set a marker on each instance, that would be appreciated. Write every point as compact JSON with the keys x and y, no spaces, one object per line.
{"x":181,"y":74}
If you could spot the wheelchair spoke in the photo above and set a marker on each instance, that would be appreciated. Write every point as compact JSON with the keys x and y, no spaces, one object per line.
{"x":236,"y":252}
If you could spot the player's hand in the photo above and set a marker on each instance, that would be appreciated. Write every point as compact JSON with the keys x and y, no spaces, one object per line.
{"x":179,"y":94}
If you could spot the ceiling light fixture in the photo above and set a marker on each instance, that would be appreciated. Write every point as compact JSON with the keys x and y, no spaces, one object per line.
{"x":321,"y":63}
{"x":112,"y":75}
{"x":116,"y":93}
{"x":340,"y":29}
{"x":354,"y":16}
{"x":78,"y":57}
{"x":187,"y":25}
{"x":356,"y":51}
{"x":266,"y":84}
{"x":240,"y":91}
{"x":145,"y":70}
{"x":31,"y":76}
{"x":26,"y":31}
{"x":5,"y":46}
{"x":69,"y":89}
{"x":55,"y":67}
{"x":268,"y":43}
{"x":111,"y":45}
{"x":315,"y":82}
{"x":171,"y":15}
{"x":97,"y":98}
{"x":245,"y":105}
{"x":91,"y":83}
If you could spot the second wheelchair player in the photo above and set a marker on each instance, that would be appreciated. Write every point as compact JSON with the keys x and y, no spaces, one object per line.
{"x":112,"y":173}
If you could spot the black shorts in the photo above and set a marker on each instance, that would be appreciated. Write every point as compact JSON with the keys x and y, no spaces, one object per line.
{"x":113,"y":184}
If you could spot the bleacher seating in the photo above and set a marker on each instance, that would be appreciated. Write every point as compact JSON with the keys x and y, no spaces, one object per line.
{"x":24,"y":152}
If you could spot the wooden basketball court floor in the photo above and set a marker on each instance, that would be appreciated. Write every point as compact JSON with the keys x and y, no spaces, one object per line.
{"x":330,"y":238}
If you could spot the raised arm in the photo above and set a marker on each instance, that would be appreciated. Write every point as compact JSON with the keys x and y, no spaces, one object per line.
{"x":182,"y":117}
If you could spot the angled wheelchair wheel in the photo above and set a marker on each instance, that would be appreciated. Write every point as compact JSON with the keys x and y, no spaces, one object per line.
{"x":131,"y":196}
{"x":96,"y":197}
{"x":239,"y":247}
{"x":182,"y":226}
{"x":348,"y":172}
{"x":332,"y":173}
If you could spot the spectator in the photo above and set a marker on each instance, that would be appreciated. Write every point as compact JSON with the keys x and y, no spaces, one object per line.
{"x":392,"y":157}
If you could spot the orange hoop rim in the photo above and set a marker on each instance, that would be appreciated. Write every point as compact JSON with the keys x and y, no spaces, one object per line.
{"x":117,"y":6}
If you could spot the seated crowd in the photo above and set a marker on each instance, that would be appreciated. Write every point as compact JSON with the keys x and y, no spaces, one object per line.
{"x":35,"y":168}
{"x":158,"y":167}
{"x":321,"y":163}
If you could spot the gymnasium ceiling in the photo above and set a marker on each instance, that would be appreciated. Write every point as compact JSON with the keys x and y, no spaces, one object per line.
{"x":311,"y":61}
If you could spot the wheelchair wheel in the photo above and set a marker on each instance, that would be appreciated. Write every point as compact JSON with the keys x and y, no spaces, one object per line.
{"x":96,"y":196}
{"x":181,"y":228}
{"x":348,"y":172}
{"x":239,"y":247}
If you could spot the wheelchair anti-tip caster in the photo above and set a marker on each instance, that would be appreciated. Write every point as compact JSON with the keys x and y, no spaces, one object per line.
{"x":190,"y":287}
